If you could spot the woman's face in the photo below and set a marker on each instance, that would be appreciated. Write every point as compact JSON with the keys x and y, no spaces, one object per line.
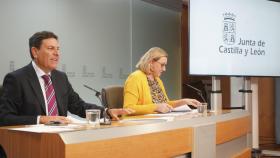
{"x":159,"y":66}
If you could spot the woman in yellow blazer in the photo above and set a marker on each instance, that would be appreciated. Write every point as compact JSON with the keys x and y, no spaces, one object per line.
{"x":144,"y":91}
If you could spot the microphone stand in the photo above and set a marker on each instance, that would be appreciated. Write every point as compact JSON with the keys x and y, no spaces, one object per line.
{"x":106,"y":118}
{"x":97,"y":93}
{"x":197,"y":91}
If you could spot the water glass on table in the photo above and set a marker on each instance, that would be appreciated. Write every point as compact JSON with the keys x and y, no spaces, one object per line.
{"x":93,"y":117}
{"x":202,"y":108}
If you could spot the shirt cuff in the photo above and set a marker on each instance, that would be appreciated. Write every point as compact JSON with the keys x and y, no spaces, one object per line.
{"x":108,"y":113}
{"x":38,"y":119}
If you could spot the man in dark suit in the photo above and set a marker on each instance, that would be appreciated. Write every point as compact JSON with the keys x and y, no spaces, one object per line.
{"x":38,"y":93}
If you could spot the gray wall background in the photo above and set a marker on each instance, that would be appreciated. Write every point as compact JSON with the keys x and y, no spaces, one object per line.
{"x":101,"y":40}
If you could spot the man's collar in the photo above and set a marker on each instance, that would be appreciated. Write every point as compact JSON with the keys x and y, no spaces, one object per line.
{"x":38,"y":70}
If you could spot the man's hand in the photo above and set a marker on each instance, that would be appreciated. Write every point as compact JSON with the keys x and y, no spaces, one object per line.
{"x":61,"y":119}
{"x":114,"y":113}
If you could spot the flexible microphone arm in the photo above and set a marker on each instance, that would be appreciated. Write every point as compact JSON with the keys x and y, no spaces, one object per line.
{"x":106,"y":118}
{"x":197,"y":91}
{"x":97,"y":94}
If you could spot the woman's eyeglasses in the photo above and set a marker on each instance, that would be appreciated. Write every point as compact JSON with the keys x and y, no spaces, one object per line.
{"x":161,"y":64}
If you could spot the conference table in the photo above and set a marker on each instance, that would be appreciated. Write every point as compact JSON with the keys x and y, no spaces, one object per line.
{"x":215,"y":135}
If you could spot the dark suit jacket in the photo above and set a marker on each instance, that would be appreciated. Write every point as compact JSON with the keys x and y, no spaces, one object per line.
{"x":22,"y":99}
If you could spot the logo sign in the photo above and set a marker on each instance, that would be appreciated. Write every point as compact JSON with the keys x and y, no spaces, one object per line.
{"x":229,"y":29}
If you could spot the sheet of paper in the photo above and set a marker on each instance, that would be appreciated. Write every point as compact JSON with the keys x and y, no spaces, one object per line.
{"x":77,"y":120}
{"x":169,"y":114}
{"x":148,"y":120}
{"x":183,"y":108}
{"x":82,"y":120}
{"x":47,"y":129}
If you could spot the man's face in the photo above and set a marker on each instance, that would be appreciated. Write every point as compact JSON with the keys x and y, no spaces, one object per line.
{"x":47,"y":56}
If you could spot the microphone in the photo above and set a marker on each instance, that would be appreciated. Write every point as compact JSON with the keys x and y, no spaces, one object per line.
{"x":106,"y":118}
{"x":97,"y":94}
{"x":198,"y":91}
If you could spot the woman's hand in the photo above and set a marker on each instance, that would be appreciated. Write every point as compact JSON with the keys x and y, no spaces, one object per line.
{"x":114,"y":113}
{"x":192,"y":102}
{"x":163,"y":108}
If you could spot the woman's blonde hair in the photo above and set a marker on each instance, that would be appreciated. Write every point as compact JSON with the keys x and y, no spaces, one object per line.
{"x":153,"y":54}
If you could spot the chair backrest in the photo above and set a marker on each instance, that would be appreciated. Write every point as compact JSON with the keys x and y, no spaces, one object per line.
{"x":112,"y":96}
{"x":1,"y":90}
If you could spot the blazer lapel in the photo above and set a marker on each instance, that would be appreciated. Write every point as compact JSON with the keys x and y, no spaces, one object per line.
{"x":34,"y":82}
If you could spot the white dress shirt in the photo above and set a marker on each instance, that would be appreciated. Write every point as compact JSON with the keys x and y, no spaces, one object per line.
{"x":40,"y":73}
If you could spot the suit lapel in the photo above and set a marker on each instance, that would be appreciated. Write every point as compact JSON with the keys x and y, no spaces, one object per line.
{"x":34,"y":82}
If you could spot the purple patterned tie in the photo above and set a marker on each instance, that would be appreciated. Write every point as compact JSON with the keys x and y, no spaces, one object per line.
{"x":50,"y":96}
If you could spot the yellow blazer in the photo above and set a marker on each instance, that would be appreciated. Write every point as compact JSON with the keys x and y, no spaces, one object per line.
{"x":137,"y":94}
